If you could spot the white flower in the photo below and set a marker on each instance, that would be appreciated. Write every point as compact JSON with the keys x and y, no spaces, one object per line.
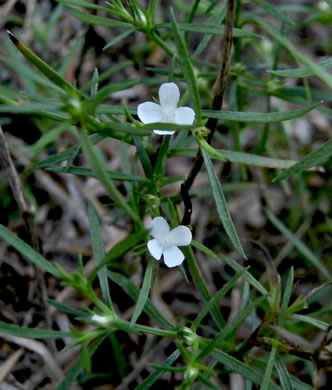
{"x":166,"y":242}
{"x":166,"y":112}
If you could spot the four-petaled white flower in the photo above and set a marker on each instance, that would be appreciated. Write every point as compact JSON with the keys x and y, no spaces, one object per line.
{"x":166,"y":242}
{"x":166,"y":112}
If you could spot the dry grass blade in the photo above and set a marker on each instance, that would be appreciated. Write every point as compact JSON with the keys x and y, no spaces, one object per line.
{"x":15,"y":184}
{"x":9,"y":364}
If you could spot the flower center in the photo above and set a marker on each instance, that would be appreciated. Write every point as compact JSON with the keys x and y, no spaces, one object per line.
{"x":169,"y":114}
{"x":164,"y":243}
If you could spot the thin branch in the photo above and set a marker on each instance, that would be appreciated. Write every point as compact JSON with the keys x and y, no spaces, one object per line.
{"x":218,"y":89}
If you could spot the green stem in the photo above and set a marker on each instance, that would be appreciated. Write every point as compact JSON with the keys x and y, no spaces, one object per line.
{"x":210,"y":150}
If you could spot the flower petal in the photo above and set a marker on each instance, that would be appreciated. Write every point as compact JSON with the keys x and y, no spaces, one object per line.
{"x":169,"y":96}
{"x":150,"y":112}
{"x":164,"y":132}
{"x":179,"y":236}
{"x":184,"y":116}
{"x":155,"y":249}
{"x":173,"y":256}
{"x":159,"y":228}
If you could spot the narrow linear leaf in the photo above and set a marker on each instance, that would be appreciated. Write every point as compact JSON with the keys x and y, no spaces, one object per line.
{"x":302,"y":72}
{"x":98,"y":165}
{"x":83,"y":3}
{"x":299,"y":385}
{"x":206,"y":38}
{"x":67,"y":309}
{"x":44,"y":68}
{"x":238,"y":157}
{"x":232,"y":327}
{"x":258,"y":117}
{"x":314,"y":158}
{"x":299,"y":95}
{"x":73,"y":373}
{"x":167,"y":126}
{"x":81,"y":171}
{"x":208,"y":383}
{"x":187,"y":68}
{"x":283,"y":374}
{"x":256,"y":160}
{"x":302,"y":248}
{"x":233,"y":264}
{"x":70,"y":378}
{"x":66,"y":154}
{"x":98,"y":252}
{"x":286,"y":296}
{"x":221,"y":205}
{"x":211,"y":29}
{"x":97,"y":20}
{"x":47,"y":138}
{"x":152,"y":378}
{"x":119,"y":354}
{"x":119,"y":38}
{"x":26,"y":72}
{"x":143,"y":156}
{"x":133,"y":291}
{"x":201,"y":285}
{"x":273,"y":11}
{"x":145,"y":290}
{"x":28,"y":252}
{"x":227,"y":332}
{"x":32,"y":333}
{"x":316,"y":69}
{"x":125,"y":128}
{"x":119,"y":250}
{"x":216,"y":298}
{"x":312,"y":321}
{"x":106,"y":91}
{"x":158,"y":168}
{"x":237,"y":366}
{"x":107,"y":74}
{"x":268,"y":370}
{"x":114,"y":110}
{"x":52,"y":111}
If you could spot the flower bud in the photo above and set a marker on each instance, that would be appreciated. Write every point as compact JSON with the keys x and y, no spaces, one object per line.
{"x":152,"y":201}
{"x":74,"y":108}
{"x":187,"y":335}
{"x":191,"y":374}
{"x":273,"y":85}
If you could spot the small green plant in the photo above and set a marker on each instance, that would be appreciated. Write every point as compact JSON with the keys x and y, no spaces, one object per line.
{"x":207,"y":346}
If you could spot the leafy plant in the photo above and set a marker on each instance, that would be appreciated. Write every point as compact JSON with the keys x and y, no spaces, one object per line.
{"x":271,"y":315}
